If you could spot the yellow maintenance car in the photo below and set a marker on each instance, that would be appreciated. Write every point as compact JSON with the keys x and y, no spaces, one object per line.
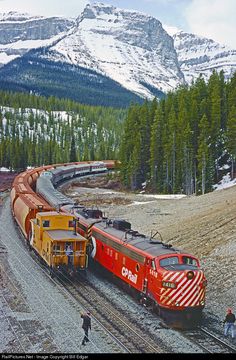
{"x":54,"y":238}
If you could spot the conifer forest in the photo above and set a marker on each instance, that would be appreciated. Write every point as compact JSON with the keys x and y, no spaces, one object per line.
{"x":36,"y":131}
{"x":185,"y":142}
{"x":182,"y":143}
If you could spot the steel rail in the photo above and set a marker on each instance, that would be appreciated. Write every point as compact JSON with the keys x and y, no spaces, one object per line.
{"x":125,"y":333}
{"x":208,"y":341}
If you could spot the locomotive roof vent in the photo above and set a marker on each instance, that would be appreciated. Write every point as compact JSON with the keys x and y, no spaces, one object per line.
{"x":168,"y":246}
{"x":94,"y":213}
{"x":133,"y":233}
{"x":152,"y":241}
{"x":122,"y":225}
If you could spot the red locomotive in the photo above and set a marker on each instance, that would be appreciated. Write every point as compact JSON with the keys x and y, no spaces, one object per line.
{"x":167,"y":278}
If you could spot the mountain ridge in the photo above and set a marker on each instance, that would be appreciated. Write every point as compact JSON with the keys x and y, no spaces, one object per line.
{"x":131,"y":48}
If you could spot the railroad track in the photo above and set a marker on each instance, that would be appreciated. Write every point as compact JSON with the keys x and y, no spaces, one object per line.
{"x":127,"y":334}
{"x":209,"y":342}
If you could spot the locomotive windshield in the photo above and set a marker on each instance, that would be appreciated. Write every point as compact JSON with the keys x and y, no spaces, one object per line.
{"x":169,"y":261}
{"x":179,"y":263}
{"x":189,"y":261}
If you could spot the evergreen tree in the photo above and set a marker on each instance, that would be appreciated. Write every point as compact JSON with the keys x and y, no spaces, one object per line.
{"x":156,"y":149}
{"x":73,"y":153}
{"x":231,"y":138}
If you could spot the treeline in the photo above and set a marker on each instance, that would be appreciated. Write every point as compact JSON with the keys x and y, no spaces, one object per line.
{"x":181,"y":143}
{"x":35,"y":130}
{"x":32,"y":73}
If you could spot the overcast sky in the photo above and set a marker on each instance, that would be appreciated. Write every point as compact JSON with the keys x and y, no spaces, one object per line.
{"x":211,"y":18}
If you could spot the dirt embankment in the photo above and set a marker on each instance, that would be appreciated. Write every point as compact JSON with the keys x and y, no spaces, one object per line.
{"x":6,"y":180}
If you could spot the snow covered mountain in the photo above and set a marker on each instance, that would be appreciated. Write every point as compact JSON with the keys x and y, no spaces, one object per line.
{"x":21,"y":32}
{"x":199,"y":55}
{"x":128,"y":51}
{"x":130,"y":47}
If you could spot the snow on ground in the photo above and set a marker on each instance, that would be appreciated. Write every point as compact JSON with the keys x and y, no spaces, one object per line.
{"x":166,"y":196}
{"x":4,"y":169}
{"x":225,"y":183}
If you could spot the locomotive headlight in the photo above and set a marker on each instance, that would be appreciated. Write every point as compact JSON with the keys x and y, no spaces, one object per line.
{"x":169,"y":284}
{"x":190,"y":275}
{"x":202,"y":302}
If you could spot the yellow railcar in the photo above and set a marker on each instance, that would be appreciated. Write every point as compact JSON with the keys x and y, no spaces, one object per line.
{"x":53,"y":237}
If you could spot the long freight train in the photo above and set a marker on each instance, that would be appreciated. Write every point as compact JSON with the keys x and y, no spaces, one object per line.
{"x":51,"y":234}
{"x":167,"y":278}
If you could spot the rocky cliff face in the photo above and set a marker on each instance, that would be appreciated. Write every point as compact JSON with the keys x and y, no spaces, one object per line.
{"x":22,"y":32}
{"x":129,"y":47}
{"x":201,"y":55}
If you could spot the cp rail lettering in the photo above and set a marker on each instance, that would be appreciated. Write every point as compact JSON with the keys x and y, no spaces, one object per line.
{"x":130,"y":276}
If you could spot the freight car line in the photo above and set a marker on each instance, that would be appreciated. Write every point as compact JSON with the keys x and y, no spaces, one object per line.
{"x":126,"y":334}
{"x":209,"y":342}
{"x":46,"y":272}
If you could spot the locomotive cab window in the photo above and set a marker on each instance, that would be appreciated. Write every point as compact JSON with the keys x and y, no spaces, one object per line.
{"x":173,"y":260}
{"x":46,"y":223}
{"x":189,"y":261}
